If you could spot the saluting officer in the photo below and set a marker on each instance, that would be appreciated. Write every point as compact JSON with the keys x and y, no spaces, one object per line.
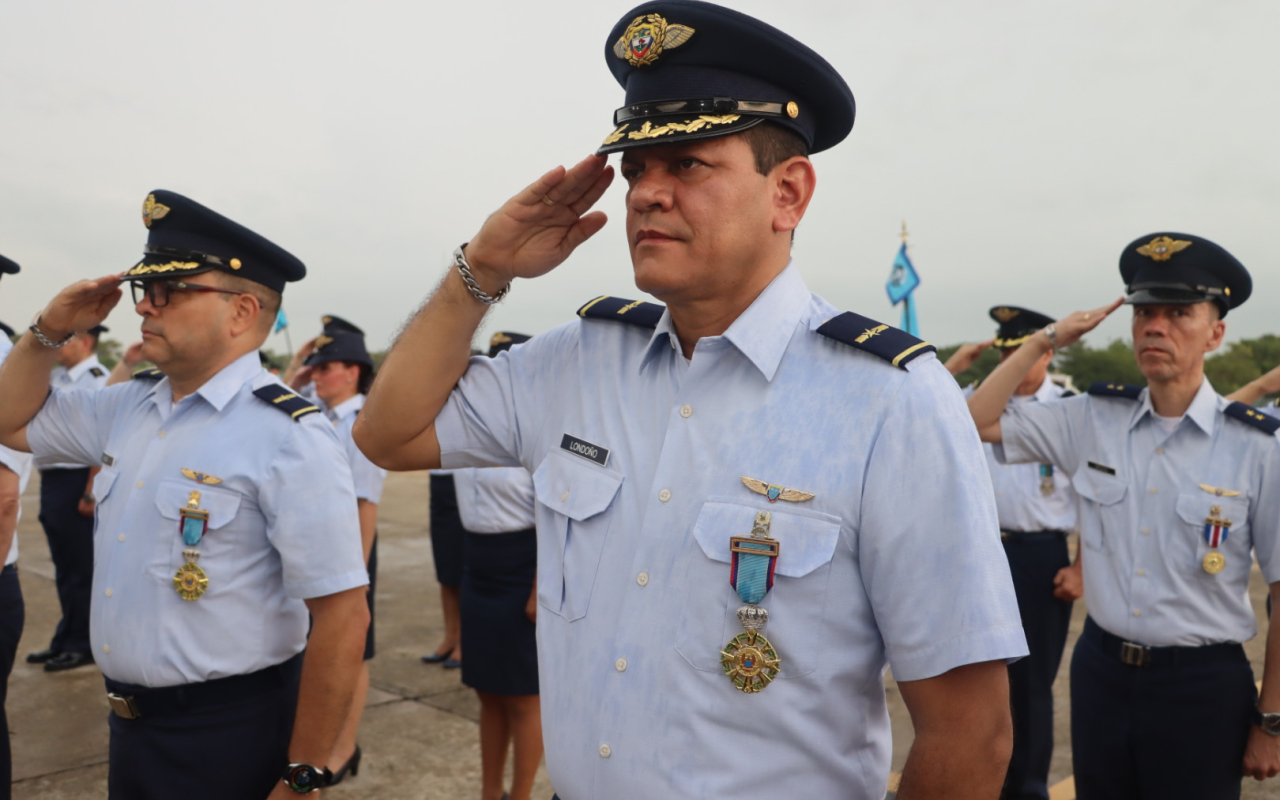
{"x":1178,"y":487}
{"x":225,"y":514}
{"x":66,"y":514}
{"x":15,"y":470}
{"x":1037,"y":510}
{"x":748,"y":501}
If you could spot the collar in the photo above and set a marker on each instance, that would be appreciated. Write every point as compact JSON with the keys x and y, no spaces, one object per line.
{"x":761,"y":332}
{"x":1047,"y":391}
{"x":346,"y":408}
{"x":84,"y":366}
{"x":1202,"y":411}
{"x":218,"y":390}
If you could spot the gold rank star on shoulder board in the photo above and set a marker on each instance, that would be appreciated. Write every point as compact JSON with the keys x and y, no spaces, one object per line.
{"x":774,"y":492}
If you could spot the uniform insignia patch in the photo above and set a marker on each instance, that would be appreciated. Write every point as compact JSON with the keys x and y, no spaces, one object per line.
{"x":284,"y":399}
{"x":200,"y":477}
{"x":636,"y":312}
{"x":97,"y":372}
{"x":774,"y":492}
{"x":151,"y":374}
{"x":1162,"y":248}
{"x":897,"y":347}
{"x":1104,"y":389}
{"x":646,"y":37}
{"x":1004,"y":313}
{"x":151,"y":210}
{"x":1253,"y":417}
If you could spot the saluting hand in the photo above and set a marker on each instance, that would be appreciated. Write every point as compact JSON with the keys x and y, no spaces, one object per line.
{"x":535,"y":231}
{"x":80,"y":306}
{"x":963,"y":358}
{"x":1070,"y":328}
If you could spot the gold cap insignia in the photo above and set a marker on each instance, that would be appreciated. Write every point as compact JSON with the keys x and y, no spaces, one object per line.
{"x":498,"y":338}
{"x":321,"y":341}
{"x":1162,"y":248}
{"x":1004,"y":314}
{"x":646,"y":37}
{"x":152,"y":210}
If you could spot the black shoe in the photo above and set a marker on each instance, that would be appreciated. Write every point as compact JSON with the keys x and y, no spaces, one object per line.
{"x":41,"y":656}
{"x":352,"y":766}
{"x":65,"y":661}
{"x":434,"y":658}
{"x":452,"y":663}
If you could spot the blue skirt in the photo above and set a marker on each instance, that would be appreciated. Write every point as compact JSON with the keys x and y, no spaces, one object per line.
{"x":446,"y":531}
{"x":499,"y":645}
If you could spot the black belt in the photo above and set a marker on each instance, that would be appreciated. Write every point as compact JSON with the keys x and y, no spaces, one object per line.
{"x":1032,"y":536}
{"x":1138,"y":655}
{"x":131,"y":701}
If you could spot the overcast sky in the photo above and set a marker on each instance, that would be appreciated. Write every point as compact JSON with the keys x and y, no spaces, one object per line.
{"x":1024,"y":143}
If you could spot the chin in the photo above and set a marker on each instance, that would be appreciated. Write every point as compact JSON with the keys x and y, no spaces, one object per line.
{"x":659,"y":279}
{"x":155,"y":351}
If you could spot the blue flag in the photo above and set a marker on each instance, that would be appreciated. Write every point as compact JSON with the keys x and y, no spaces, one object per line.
{"x":903,"y":280}
{"x":282,"y":322}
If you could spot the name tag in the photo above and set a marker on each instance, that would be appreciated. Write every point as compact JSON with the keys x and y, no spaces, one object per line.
{"x":585,"y":449}
{"x":1101,"y":467}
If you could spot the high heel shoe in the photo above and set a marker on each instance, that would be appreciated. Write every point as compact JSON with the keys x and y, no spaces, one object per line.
{"x":352,"y":766}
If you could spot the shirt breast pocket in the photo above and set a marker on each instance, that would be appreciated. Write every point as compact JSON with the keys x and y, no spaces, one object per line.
{"x":569,"y":549}
{"x":1102,"y":516}
{"x":1195,"y":512}
{"x":215,"y":550}
{"x":799,"y":620}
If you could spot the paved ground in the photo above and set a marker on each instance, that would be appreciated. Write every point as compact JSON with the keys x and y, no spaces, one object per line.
{"x":420,"y":731}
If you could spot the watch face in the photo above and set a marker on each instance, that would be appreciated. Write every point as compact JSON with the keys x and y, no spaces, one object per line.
{"x":304,"y":778}
{"x":1271,"y":724}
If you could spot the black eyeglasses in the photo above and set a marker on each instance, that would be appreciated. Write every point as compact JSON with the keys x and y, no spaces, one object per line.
{"x":158,"y":292}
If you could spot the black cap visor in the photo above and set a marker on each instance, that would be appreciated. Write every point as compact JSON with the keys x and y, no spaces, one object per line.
{"x":644,"y":131}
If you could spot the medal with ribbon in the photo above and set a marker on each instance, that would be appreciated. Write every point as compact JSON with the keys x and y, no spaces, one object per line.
{"x":1046,"y":479}
{"x":190,"y":581}
{"x":1216,"y":530}
{"x":749,"y":660}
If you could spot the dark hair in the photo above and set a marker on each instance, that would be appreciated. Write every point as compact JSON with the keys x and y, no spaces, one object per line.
{"x":365,"y":381}
{"x":772,"y":144}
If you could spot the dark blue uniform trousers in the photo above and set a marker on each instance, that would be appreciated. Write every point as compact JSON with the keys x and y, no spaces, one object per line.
{"x":232,"y":749}
{"x":70,"y":538}
{"x":12,"y":614}
{"x":1158,"y":732}
{"x":1034,"y":560}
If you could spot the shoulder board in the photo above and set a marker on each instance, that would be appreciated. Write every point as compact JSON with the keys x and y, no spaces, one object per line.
{"x":284,"y":398}
{"x":636,"y":312}
{"x":895,"y":346}
{"x":1125,"y":390}
{"x":1252,"y":416}
{"x":97,"y":372}
{"x":7,"y":330}
{"x":151,"y":374}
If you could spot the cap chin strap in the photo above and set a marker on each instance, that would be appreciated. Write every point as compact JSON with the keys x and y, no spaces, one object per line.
{"x":191,"y":255}
{"x":710,"y":105}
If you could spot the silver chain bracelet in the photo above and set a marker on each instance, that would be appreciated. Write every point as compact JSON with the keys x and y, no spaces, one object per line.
{"x":45,"y":340}
{"x":464,"y":269}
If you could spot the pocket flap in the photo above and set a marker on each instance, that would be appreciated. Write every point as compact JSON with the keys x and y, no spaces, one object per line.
{"x":577,"y":490}
{"x":806,"y":541}
{"x":102,"y":483}
{"x":1098,"y":486}
{"x":222,"y":504}
{"x":1197,"y":507}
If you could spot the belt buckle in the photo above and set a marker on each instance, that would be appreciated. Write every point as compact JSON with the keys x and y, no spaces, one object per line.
{"x":123,"y":706}
{"x":1135,"y":655}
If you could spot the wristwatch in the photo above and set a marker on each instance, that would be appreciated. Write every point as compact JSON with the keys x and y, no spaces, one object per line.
{"x":305,"y":779}
{"x":1051,"y":331}
{"x":1269,"y":721}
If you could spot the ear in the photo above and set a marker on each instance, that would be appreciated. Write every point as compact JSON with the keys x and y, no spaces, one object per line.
{"x":794,"y":181}
{"x":245,"y":311}
{"x":1217,"y":332}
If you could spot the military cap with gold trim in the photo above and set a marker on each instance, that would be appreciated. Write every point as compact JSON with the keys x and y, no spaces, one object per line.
{"x":505,"y":340}
{"x":185,"y":238}
{"x":1180,"y":268}
{"x":1016,"y":325}
{"x":695,"y":70}
{"x":339,"y":341}
{"x":9,"y":266}
{"x":335,"y":324}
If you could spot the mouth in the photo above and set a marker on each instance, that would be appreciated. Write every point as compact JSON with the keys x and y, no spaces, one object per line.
{"x":651,"y":236}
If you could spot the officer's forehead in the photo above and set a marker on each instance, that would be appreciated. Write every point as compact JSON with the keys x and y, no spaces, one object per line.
{"x":720,"y":146}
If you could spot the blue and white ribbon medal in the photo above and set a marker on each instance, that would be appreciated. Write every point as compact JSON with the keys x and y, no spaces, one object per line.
{"x":190,"y":581}
{"x":1046,"y":479}
{"x":1216,"y":530}
{"x":749,"y":659}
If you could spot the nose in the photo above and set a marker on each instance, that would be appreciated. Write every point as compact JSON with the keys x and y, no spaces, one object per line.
{"x":651,"y":190}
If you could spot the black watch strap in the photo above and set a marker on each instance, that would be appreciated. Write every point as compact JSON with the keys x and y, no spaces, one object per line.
{"x":305,"y":779}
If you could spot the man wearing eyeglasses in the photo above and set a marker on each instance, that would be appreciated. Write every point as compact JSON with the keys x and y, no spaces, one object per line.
{"x":224,"y":515}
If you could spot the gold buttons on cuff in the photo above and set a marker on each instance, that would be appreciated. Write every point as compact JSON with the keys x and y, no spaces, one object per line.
{"x":686,"y":411}
{"x":643,"y":579}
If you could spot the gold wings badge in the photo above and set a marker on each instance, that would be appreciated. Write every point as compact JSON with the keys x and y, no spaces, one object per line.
{"x":775,"y":492}
{"x":1216,"y":492}
{"x":200,"y":477}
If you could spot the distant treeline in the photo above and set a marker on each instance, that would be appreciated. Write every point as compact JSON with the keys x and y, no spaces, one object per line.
{"x":1229,"y":368}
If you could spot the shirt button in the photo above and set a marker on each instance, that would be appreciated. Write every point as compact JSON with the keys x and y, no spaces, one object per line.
{"x":1137,"y":612}
{"x":1159,"y":451}
{"x":106,"y":648}
{"x":1146,"y":531}
{"x":605,"y":751}
{"x":162,"y":434}
{"x":686,"y":411}
{"x":1141,"y":573}
{"x":1153,"y":490}
{"x":139,"y":484}
{"x":108,"y":593}
{"x":664,"y":495}
{"x":121,"y":537}
{"x":621,"y":665}
{"x":642,"y":578}
{"x":564,"y":496}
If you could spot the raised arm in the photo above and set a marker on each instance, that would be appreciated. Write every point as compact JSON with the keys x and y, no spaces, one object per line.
{"x":988,"y":402}
{"x":529,"y":236}
{"x":1258,"y":388}
{"x":24,"y":377}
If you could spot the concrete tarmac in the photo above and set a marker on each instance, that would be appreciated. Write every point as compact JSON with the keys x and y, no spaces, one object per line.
{"x":420,"y":730}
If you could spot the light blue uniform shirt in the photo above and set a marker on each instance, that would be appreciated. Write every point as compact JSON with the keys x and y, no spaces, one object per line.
{"x":494,"y":500}
{"x":1020,"y":505}
{"x":1143,"y":512}
{"x":896,"y":559}
{"x":282,"y":522}
{"x":367,"y":476}
{"x":88,"y":375}
{"x":15,"y":461}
